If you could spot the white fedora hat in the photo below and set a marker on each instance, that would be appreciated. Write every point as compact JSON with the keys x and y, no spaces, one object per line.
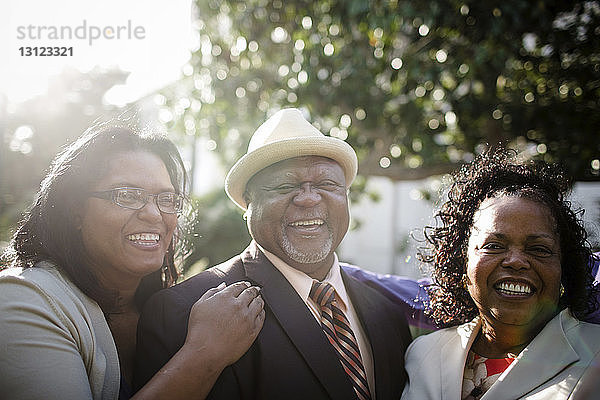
{"x":286,"y":135}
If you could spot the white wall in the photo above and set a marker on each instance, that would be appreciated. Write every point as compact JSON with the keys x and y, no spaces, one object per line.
{"x":586,"y":195}
{"x":386,"y":223}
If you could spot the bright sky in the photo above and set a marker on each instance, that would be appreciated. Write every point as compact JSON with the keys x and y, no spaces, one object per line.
{"x":154,"y":58}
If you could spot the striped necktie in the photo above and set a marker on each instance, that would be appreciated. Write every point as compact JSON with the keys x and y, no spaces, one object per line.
{"x":338,"y":332}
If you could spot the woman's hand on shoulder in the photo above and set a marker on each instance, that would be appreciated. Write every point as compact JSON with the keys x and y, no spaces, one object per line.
{"x":225,"y":321}
{"x":223,"y":324}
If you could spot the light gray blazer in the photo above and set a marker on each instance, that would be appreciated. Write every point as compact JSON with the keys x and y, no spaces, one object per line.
{"x":54,"y":340}
{"x":562,"y":362}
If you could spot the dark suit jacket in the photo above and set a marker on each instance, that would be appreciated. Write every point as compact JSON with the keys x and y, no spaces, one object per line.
{"x":291,"y":358}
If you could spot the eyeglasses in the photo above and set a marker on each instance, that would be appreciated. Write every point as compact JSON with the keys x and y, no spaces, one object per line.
{"x":136,"y":199}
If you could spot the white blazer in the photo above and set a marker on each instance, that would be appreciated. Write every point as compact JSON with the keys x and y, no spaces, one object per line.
{"x":561,"y":362}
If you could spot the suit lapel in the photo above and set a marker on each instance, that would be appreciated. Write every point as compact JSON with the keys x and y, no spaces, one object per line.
{"x":376,"y":333}
{"x":301,"y":327}
{"x":454,"y":356}
{"x":387,"y":352}
{"x":547,"y":355}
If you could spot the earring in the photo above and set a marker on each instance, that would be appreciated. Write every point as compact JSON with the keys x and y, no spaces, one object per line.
{"x":164,"y":274}
{"x":463,"y":281}
{"x":562,"y":290}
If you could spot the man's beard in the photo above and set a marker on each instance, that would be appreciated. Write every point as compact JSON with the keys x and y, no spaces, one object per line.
{"x":308,"y":257}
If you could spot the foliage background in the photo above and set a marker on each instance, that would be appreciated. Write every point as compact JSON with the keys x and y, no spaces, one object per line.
{"x":416,"y":87}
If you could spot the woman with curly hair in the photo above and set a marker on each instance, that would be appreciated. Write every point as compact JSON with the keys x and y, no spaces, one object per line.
{"x":511,"y":284}
{"x":99,"y":239}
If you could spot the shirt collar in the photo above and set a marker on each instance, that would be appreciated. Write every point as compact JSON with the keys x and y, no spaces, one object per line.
{"x":302,"y":283}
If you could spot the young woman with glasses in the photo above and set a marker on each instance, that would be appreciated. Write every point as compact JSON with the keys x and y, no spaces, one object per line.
{"x":101,"y":237}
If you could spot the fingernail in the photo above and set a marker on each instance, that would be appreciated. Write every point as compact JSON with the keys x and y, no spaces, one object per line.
{"x":221,"y":285}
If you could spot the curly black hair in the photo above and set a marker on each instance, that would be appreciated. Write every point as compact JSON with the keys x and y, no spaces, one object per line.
{"x":49,"y":231}
{"x":494,"y":173}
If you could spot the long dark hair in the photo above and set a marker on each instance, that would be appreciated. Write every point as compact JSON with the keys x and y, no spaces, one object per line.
{"x":49,"y":231}
{"x":498,"y":173}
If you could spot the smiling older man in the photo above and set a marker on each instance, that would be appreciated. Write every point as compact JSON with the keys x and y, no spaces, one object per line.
{"x":326,"y":335}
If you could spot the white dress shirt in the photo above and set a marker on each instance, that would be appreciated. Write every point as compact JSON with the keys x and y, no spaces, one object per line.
{"x":302,"y":284}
